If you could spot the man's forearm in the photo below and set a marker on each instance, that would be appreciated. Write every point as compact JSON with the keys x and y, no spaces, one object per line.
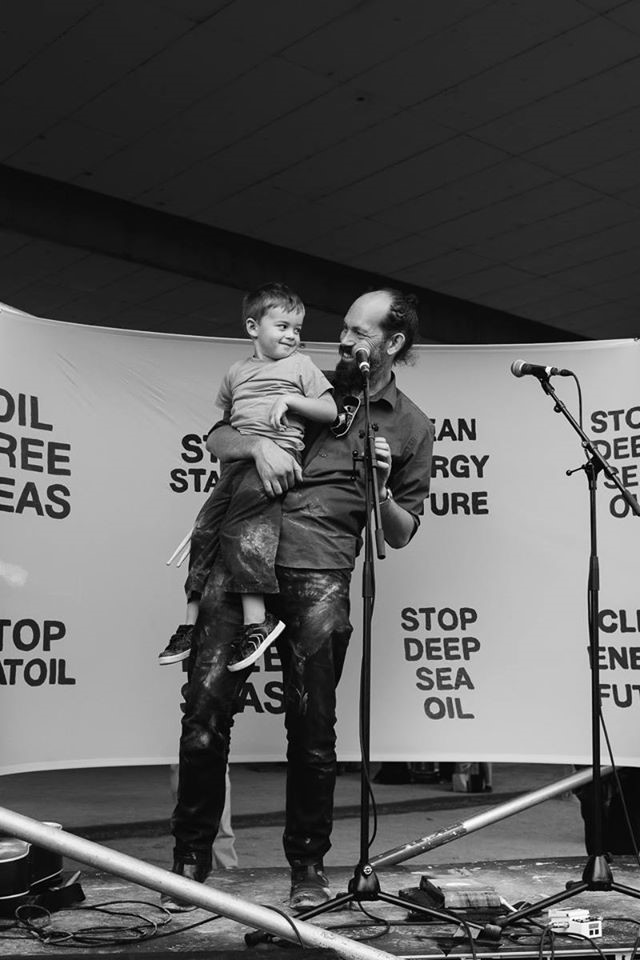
{"x":398,"y":524}
{"x":277,"y":469}
{"x":226,"y":443}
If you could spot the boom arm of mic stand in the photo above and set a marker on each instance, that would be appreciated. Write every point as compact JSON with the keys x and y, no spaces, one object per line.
{"x":598,"y":460}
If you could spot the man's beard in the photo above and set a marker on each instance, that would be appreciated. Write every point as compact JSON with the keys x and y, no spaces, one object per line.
{"x":348,"y":376}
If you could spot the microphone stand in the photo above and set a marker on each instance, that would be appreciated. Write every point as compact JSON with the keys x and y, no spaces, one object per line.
{"x":597,"y":874}
{"x":364,"y":885}
{"x":364,"y":877}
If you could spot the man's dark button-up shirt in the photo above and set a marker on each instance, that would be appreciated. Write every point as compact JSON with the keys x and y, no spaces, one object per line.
{"x":322,"y":519}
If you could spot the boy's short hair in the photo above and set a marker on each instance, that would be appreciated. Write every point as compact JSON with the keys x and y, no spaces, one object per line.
{"x":256,"y":303}
{"x":402,"y":318}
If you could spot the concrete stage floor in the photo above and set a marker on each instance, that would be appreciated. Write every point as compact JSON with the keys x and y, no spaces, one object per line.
{"x":524,"y":858}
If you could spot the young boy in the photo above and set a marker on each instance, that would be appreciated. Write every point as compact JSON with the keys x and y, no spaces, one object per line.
{"x":267,"y":394}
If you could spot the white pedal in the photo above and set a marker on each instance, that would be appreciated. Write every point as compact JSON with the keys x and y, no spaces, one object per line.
{"x":575,"y":921}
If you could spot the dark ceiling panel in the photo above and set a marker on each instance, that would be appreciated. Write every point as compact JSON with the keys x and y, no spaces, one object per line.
{"x":484,"y":149}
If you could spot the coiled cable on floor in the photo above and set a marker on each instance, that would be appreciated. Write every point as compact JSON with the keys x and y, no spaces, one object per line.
{"x":35,"y":922}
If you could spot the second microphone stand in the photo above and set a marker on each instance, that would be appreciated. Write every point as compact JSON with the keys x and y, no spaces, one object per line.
{"x":597,"y":874}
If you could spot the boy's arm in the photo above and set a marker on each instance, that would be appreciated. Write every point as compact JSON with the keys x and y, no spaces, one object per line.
{"x":277,"y":469}
{"x":322,"y":409}
{"x":314,"y":401}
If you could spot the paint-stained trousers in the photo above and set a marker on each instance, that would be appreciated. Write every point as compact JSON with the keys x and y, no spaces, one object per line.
{"x":314,"y":605}
{"x":240,"y":523}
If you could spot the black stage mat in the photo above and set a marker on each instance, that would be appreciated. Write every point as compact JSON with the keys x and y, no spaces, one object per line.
{"x":197,"y":935}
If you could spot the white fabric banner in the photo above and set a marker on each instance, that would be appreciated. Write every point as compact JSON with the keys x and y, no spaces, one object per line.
{"x":480,"y":634}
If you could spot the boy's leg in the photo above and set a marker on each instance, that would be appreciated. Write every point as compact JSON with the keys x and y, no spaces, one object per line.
{"x":202,"y":554}
{"x":249,"y":539}
{"x":193,"y":610}
{"x":253,"y":608}
{"x":249,"y":536}
{"x":205,"y":537}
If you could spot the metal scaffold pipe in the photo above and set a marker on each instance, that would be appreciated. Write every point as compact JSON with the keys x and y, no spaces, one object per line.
{"x":204,"y":896}
{"x":463,"y":827}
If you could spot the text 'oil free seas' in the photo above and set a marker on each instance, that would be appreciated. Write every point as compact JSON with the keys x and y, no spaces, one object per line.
{"x":26,"y":450}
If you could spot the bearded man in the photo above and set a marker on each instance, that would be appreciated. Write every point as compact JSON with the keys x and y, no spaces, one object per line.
{"x":323,"y":517}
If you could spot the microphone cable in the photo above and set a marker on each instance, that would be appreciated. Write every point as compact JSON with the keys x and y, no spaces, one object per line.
{"x":34,"y":922}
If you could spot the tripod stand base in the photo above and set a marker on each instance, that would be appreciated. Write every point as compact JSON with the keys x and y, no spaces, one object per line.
{"x":364,"y":887}
{"x":597,"y":875}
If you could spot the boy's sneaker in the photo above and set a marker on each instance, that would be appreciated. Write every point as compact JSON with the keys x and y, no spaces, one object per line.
{"x":179,"y":647}
{"x":252,"y":640}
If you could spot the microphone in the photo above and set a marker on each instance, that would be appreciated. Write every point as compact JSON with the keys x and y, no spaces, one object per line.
{"x":519,"y":368}
{"x":361,"y":353}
